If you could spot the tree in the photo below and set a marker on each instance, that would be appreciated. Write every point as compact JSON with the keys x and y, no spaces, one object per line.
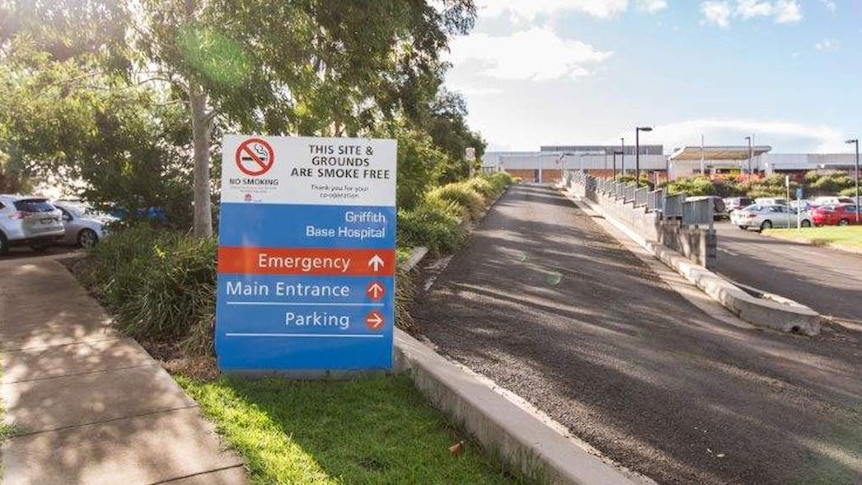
{"x":447,"y":126}
{"x":306,"y":67}
{"x":303,"y":67}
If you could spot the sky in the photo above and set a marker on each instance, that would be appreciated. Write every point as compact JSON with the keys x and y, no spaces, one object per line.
{"x":551,"y":72}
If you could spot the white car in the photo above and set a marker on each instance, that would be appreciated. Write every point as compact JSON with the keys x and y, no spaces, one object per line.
{"x":83,"y":227}
{"x":28,"y":221}
{"x":770,"y":201}
{"x":760,"y":217}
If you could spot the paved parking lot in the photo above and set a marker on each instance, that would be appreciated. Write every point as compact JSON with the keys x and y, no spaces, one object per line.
{"x":550,"y":307}
{"x":827,"y":280}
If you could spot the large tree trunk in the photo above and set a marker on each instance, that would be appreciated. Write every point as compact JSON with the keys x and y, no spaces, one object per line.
{"x":201,"y":136}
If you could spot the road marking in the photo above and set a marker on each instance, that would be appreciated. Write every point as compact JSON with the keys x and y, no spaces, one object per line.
{"x":728,"y":252}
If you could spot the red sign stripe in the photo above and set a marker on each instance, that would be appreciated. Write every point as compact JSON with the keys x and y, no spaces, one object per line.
{"x":303,"y":261}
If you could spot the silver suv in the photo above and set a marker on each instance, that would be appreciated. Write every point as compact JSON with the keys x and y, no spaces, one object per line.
{"x":28,"y":221}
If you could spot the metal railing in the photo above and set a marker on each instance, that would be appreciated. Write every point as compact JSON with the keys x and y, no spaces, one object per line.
{"x":697,"y":212}
{"x":673,"y":206}
{"x":654,"y":201}
{"x":641,"y":196}
{"x":629,"y":193}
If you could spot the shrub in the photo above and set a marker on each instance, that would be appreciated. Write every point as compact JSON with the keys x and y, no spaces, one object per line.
{"x":851,"y":192}
{"x":693,"y":186}
{"x":460,"y":193}
{"x":405,"y":291}
{"x":483,"y":187}
{"x":432,"y":225}
{"x":161,"y":285}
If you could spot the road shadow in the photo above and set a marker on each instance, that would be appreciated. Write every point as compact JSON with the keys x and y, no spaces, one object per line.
{"x":547,"y":305}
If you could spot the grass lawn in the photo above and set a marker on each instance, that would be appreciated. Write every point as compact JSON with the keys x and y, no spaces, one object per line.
{"x":847,"y":235}
{"x":369,"y":430}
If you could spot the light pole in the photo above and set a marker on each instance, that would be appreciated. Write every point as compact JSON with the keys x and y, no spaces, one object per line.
{"x":616,"y":152}
{"x":750,"y":148}
{"x":638,"y":130}
{"x":856,"y":142}
{"x":623,"y":157}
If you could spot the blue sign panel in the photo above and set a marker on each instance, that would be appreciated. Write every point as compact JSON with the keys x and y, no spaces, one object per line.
{"x":306,"y":254}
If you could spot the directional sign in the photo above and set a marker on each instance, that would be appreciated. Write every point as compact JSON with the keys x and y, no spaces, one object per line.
{"x":306,"y":254}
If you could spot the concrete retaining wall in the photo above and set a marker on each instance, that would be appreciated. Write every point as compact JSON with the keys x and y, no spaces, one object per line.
{"x":697,"y":245}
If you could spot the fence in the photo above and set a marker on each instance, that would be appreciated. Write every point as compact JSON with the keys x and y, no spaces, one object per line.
{"x":654,"y":201}
{"x":690,"y":212}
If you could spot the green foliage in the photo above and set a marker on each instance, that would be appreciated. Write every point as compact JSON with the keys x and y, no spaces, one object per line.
{"x":850,"y":192}
{"x":405,"y":291}
{"x":375,"y":430}
{"x":692,"y":186}
{"x":419,"y":164}
{"x":161,"y":285}
{"x":471,"y":202}
{"x":811,"y":177}
{"x":832,"y":182}
{"x":499,"y":180}
{"x":433,"y":225}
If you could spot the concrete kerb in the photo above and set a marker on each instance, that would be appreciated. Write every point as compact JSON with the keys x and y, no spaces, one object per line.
{"x":773,"y":312}
{"x":522,"y":437}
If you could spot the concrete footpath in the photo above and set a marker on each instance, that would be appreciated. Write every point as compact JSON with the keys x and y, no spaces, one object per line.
{"x":88,"y":405}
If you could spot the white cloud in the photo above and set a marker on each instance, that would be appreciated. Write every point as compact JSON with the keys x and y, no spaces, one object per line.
{"x":785,"y":136}
{"x":829,"y":4}
{"x":529,"y":9}
{"x":787,"y":12}
{"x":721,"y":12}
{"x":717,"y":13}
{"x":537,"y":54}
{"x":652,"y":6}
{"x":827,"y":45}
{"x":746,"y":9}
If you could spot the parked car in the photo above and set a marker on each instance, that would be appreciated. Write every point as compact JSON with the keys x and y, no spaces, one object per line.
{"x":832,"y":200}
{"x":734,"y":203}
{"x":83,"y":227}
{"x":718,"y":207}
{"x":770,"y":201}
{"x":834,"y":215}
{"x":760,"y":217}
{"x":28,"y":221}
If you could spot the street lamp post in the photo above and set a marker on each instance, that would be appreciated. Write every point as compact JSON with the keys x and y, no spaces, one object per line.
{"x":750,"y":148}
{"x":856,"y":142}
{"x":623,"y":157}
{"x":638,"y":130}
{"x":616,"y":152}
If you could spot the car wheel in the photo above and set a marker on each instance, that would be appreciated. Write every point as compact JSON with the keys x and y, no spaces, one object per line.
{"x":4,"y":244}
{"x":806,"y":223}
{"x":844,"y":222}
{"x":766,"y":225}
{"x":87,"y":238}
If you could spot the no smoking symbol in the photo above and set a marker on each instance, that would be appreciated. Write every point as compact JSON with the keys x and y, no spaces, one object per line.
{"x":254,"y":157}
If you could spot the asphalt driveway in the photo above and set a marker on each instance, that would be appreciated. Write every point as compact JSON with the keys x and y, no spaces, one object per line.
{"x":549,"y":306}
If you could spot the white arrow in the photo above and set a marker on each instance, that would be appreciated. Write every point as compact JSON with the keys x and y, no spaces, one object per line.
{"x":376,"y":290}
{"x":375,"y":320}
{"x":376,"y":262}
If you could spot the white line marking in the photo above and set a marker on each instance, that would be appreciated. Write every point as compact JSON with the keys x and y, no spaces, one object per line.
{"x":728,"y":252}
{"x":308,"y":335}
{"x":271,"y":303}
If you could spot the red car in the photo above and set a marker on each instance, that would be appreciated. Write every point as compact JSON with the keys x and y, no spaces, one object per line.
{"x":835,"y":215}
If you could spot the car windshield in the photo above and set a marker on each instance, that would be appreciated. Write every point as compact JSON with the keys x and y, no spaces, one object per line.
{"x":33,"y":205}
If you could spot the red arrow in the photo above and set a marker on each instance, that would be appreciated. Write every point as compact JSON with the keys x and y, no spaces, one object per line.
{"x":375,"y":290}
{"x":374,"y":321}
